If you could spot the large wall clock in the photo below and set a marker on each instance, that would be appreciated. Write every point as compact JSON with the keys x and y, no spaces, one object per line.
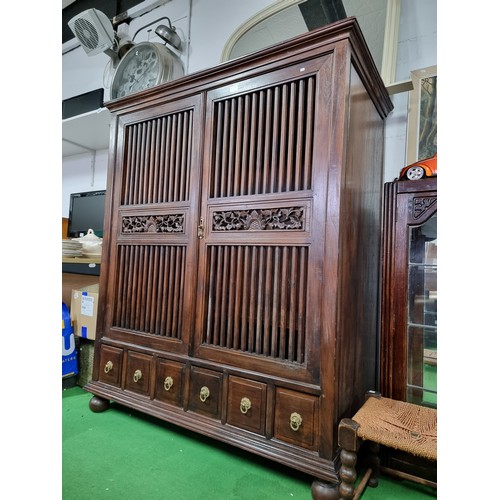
{"x":145,"y":65}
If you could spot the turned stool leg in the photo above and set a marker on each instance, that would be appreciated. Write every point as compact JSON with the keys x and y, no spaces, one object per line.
{"x":347,"y":474}
{"x":373,"y":463}
{"x":349,"y":444}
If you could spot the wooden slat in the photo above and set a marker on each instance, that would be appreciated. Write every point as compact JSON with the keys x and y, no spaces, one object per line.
{"x":257,"y":299}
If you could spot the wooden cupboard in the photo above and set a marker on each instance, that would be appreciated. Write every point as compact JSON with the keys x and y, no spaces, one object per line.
{"x":409,"y":306}
{"x":240,"y":267}
{"x":409,"y":299}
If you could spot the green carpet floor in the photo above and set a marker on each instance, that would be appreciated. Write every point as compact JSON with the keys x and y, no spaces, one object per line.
{"x":123,"y":454}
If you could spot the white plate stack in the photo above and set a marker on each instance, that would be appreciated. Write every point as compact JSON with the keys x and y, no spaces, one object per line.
{"x":71,"y":248}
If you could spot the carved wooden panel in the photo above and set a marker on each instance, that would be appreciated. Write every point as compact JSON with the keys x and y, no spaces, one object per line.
{"x":169,"y":223}
{"x":259,"y":219}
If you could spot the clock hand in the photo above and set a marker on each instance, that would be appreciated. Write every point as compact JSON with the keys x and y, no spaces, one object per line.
{"x":144,"y":73}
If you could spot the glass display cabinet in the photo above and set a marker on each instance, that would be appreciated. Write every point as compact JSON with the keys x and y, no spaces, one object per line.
{"x":409,"y":299}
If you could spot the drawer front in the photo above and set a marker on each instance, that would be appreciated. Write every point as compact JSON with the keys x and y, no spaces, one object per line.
{"x":247,"y":404}
{"x":296,"y":418}
{"x":110,"y":365}
{"x":138,"y":373}
{"x":205,"y":392}
{"x":169,"y":382}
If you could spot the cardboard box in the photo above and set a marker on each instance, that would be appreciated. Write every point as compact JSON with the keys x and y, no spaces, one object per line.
{"x":83,"y":310}
{"x":69,"y":354}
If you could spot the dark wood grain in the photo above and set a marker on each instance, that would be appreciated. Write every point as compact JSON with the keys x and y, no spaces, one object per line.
{"x":243,"y":247}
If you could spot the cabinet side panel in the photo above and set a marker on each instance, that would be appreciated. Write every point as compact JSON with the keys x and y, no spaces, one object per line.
{"x":358,"y":316}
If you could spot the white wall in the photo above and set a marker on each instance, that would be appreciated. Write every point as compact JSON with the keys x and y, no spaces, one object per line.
{"x":417,"y":49}
{"x":79,"y":176}
{"x":204,"y":27}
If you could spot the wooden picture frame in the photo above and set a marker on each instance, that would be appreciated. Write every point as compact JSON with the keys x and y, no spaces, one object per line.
{"x":422,"y":115}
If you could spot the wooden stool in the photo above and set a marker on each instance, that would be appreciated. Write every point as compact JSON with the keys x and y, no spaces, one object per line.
{"x":382,"y":421}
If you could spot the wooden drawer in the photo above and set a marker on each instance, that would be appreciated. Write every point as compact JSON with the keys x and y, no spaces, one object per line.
{"x":247,"y":404}
{"x":205,"y":392}
{"x":169,"y":382}
{"x":296,"y":418}
{"x":138,"y":373}
{"x":110,"y":365}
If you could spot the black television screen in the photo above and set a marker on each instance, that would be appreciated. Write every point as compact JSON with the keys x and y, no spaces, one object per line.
{"x":86,"y":211}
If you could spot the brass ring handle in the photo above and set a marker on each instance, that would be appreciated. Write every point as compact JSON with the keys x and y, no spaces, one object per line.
{"x":168,"y":383}
{"x":245,"y":405}
{"x":108,"y":367}
{"x":204,"y":393}
{"x":137,"y":375}
{"x":295,"y":421}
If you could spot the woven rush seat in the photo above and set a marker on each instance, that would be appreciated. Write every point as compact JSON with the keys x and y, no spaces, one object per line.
{"x":399,"y":425}
{"x":395,"y":424}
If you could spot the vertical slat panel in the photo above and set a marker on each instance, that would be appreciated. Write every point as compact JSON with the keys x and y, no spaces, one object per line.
{"x":291,"y":142}
{"x":211,"y":298}
{"x":145,"y":162}
{"x":151,"y":324}
{"x":231,"y":147}
{"x":225,"y":148}
{"x":184,"y":156}
{"x":285,"y":312}
{"x":257,"y":299}
{"x":282,"y":139}
{"x":292,"y":326}
{"x":253,"y":135}
{"x":245,"y":148}
{"x":177,"y":295}
{"x":171,"y":160}
{"x":151,"y":281}
{"x":166,"y":170}
{"x":224,"y":295}
{"x":258,"y":153}
{"x":149,"y":270}
{"x":217,"y":150}
{"x":217,"y":299}
{"x":120,"y":288}
{"x":177,"y":157}
{"x":155,"y":152}
{"x":245,"y":300}
{"x":260,"y":301}
{"x":237,"y":297}
{"x":253,"y":298}
{"x":302,"y":306}
{"x":129,"y":174}
{"x":276,"y":305}
{"x":299,"y":131}
{"x":161,"y":160}
{"x":137,"y":165}
{"x":268,"y":142}
{"x":231,"y":292}
{"x":309,"y":133}
{"x":238,"y":146}
{"x":267,"y":310}
{"x":263,"y":140}
{"x":275,"y":132}
{"x":164,"y":290}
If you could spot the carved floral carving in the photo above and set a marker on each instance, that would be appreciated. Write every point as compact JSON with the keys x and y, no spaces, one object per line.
{"x":421,"y":205}
{"x":259,"y":219}
{"x":171,"y":223}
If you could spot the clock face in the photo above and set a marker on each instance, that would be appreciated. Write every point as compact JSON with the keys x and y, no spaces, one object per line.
{"x":142,"y":67}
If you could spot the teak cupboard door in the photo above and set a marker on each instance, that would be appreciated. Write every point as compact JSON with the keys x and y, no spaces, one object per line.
{"x":263,"y":204}
{"x":153,"y":243}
